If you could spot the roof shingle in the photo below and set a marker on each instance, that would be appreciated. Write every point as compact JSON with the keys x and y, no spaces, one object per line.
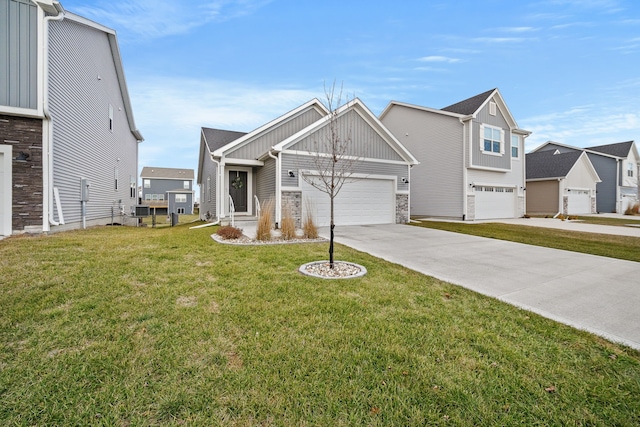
{"x":470,"y":105}
{"x":218,"y":138}
{"x":546,"y":164}
{"x":620,"y":149}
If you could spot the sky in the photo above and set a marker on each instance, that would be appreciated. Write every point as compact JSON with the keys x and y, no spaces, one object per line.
{"x":568,"y":70}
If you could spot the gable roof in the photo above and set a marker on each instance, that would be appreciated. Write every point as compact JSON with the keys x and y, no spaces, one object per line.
{"x":362,"y":109}
{"x":470,"y":105}
{"x":313,"y":104}
{"x":218,"y":138}
{"x":550,"y":164}
{"x":620,"y":149}
{"x":166,"y":173}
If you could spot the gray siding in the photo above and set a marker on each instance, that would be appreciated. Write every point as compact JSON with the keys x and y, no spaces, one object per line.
{"x":256,"y":148}
{"x":83,"y":144}
{"x":437,"y":182}
{"x":365,"y":141}
{"x":161,"y":186}
{"x":266,"y":181}
{"x":543,"y":197}
{"x":488,"y":160}
{"x":296,"y":163}
{"x":560,"y":148}
{"x":18,"y":53}
{"x":606,"y":190}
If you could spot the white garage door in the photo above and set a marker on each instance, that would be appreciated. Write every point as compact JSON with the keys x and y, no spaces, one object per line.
{"x":579,"y":202}
{"x":495,"y":202}
{"x":365,"y":201}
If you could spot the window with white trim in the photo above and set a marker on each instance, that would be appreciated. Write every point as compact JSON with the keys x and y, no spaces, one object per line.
{"x":132,"y":187}
{"x":208,"y":188}
{"x":492,"y":140}
{"x":147,"y":183}
{"x":180,"y":210}
{"x":630,"y":170}
{"x":515,"y":147}
{"x":181,"y":198}
{"x":115,"y":177}
{"x":185,"y":185}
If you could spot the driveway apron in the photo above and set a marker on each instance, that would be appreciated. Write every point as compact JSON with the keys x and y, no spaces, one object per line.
{"x":597,"y":294}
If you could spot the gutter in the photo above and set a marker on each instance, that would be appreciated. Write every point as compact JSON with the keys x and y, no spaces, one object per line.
{"x":47,"y":141}
{"x":278,"y":184}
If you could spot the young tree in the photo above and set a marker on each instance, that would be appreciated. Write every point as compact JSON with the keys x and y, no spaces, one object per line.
{"x":332,"y":157}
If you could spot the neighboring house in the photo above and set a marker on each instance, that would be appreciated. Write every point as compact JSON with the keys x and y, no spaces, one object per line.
{"x":269,"y":162}
{"x":167,"y":190}
{"x":68,"y":141}
{"x":617,"y":167}
{"x":471,"y":157}
{"x":560,"y":183}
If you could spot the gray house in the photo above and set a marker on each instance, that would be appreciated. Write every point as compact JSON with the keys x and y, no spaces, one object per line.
{"x":239,"y":172}
{"x":617,"y":166}
{"x":471,"y":157}
{"x":167,"y":190}
{"x":68,"y":141}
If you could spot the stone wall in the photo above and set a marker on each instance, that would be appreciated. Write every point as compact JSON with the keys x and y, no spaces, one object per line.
{"x":471,"y":207}
{"x":402,"y":208}
{"x":292,"y":200}
{"x":25,"y":136}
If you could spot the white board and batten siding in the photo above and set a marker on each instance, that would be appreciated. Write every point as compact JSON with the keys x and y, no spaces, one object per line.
{"x":92,"y":137}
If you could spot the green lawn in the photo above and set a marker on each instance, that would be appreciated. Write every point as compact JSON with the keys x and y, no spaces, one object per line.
{"x":621,"y":247}
{"x":124,"y":326}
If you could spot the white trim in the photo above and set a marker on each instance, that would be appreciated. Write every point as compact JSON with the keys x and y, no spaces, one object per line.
{"x":249,"y":171}
{"x":363,"y":159}
{"x":356,"y":176}
{"x":7,"y":202}
{"x":486,"y":168}
{"x":230,"y":161}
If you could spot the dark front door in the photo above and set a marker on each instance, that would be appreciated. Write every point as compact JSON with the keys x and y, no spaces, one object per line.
{"x":238,"y":189}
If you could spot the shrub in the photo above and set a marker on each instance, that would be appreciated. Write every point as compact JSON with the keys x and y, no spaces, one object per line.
{"x":309,"y":229}
{"x":633,"y":210}
{"x":263,"y":231}
{"x":229,"y":232}
{"x":288,"y":226}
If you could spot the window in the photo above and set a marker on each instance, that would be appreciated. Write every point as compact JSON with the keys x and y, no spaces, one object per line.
{"x":111,"y":117}
{"x":180,"y":210}
{"x":147,"y":196}
{"x":147,"y":183}
{"x":185,"y":185}
{"x":208,"y":188}
{"x":115,"y":177}
{"x":491,"y":140}
{"x":181,"y":198}
{"x":630,"y":170}
{"x":515,"y":146}
{"x":132,"y":187}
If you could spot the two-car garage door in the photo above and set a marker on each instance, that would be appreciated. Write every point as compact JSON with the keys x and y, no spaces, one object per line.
{"x":495,"y":202}
{"x":364,"y":201}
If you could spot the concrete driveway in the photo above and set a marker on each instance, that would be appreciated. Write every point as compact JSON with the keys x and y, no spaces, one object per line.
{"x":593,"y":293}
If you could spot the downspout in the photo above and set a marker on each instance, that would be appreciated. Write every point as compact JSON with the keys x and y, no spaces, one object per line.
{"x":47,"y":141}
{"x":278,"y":185}
{"x":217,"y":192}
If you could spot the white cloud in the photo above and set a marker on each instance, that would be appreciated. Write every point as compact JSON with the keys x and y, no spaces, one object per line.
{"x":577,"y":126}
{"x":151,"y":19}
{"x":436,"y":58}
{"x":170,"y":112}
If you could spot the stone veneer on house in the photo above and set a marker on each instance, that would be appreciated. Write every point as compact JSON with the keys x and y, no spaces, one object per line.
{"x":25,"y":135}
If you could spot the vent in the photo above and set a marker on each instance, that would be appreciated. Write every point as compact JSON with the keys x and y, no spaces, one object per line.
{"x":492,"y":108}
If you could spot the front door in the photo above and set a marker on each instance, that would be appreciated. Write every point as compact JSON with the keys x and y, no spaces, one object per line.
{"x":238,"y":189}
